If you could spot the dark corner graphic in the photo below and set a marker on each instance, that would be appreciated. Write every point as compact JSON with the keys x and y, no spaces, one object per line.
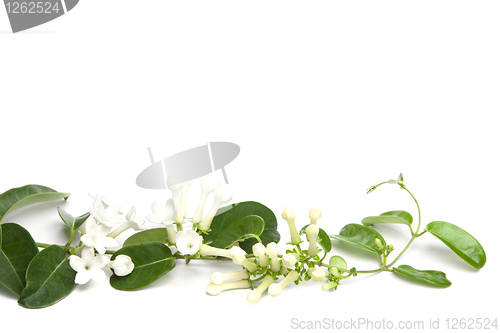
{"x":25,"y":15}
{"x":188,"y":165}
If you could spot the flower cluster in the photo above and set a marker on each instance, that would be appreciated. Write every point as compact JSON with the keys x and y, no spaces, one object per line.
{"x":90,"y":256}
{"x":268,"y":266}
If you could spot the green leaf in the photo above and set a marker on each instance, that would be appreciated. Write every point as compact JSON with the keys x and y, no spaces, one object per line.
{"x":49,"y":278}
{"x":360,"y":236}
{"x":151,"y":262}
{"x":247,"y":227}
{"x":459,"y":241}
{"x":72,"y":222}
{"x":323,"y":238}
{"x":338,"y":261}
{"x":435,"y":277}
{"x":229,"y":214}
{"x":158,"y":235}
{"x":23,"y":196}
{"x":17,"y":249}
{"x":395,"y":216}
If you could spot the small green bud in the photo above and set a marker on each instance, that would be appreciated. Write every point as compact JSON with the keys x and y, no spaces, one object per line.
{"x":379,"y":244}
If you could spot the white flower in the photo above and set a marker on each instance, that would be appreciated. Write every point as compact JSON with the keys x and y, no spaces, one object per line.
{"x":188,"y":242}
{"x":239,"y":258}
{"x":122,"y":265}
{"x":223,"y":194}
{"x":254,"y":296}
{"x":184,"y":196}
{"x":312,"y":234}
{"x":163,"y":213}
{"x":176,"y":194}
{"x":106,"y":215}
{"x":95,"y":237}
{"x":133,"y":221}
{"x":273,"y":250}
{"x":289,"y":260}
{"x":88,"y":266}
{"x":208,"y":184}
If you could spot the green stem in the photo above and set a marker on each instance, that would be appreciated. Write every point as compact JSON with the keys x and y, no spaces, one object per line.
{"x":71,"y":237}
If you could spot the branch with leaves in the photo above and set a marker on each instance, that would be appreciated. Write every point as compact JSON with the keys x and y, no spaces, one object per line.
{"x":244,"y":233}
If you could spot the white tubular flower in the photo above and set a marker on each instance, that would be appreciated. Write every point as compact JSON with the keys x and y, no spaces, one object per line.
{"x":239,"y":258}
{"x":188,"y":242}
{"x":106,"y":215}
{"x":223,"y":194}
{"x":176,"y":194}
{"x":208,"y":184}
{"x":317,"y":275}
{"x":254,"y":296}
{"x":219,"y":278}
{"x":277,"y":288}
{"x":215,"y":289}
{"x":184,"y":195}
{"x":133,"y":221}
{"x":207,"y":250}
{"x":273,"y":250}
{"x":95,"y":237}
{"x":171,"y":233}
{"x":289,"y":216}
{"x":312,"y":234}
{"x":289,"y":260}
{"x":315,"y":214}
{"x":163,"y":213}
{"x":259,"y":250}
{"x":122,"y":265}
{"x":88,"y":266}
{"x":99,"y":197}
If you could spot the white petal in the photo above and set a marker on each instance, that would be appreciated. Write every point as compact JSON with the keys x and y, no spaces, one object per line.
{"x":100,"y":261}
{"x":77,"y":263}
{"x":97,"y":275}
{"x":87,"y":240}
{"x":82,"y":277}
{"x":87,"y":254}
{"x":108,"y":242}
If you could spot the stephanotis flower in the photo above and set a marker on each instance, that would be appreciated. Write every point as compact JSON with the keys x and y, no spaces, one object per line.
{"x":107,"y":215}
{"x":163,"y":213}
{"x":188,"y":242}
{"x":133,"y":221}
{"x":88,"y":266}
{"x":122,"y":265}
{"x":96,"y":237}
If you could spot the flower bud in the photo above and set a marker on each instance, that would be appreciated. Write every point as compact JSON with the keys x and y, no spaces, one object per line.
{"x":315,"y":214}
{"x":253,"y":297}
{"x":312,"y":234}
{"x":207,"y":250}
{"x":379,"y":244}
{"x":273,"y":250}
{"x":171,"y":232}
{"x":215,"y":289}
{"x":289,"y":216}
{"x":184,"y":195}
{"x":317,"y":275}
{"x":289,"y":260}
{"x":277,"y":288}
{"x":259,"y":250}
{"x":239,"y":258}
{"x":335,"y":272}
{"x":218,"y":277}
{"x":329,"y":285}
{"x":122,"y":265}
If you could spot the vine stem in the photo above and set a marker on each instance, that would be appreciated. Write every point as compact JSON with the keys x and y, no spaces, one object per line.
{"x":413,"y":234}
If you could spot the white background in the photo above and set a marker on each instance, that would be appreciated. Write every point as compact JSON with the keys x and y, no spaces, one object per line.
{"x":325,"y":98}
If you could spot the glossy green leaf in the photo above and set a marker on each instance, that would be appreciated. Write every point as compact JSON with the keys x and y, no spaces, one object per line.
{"x":229,"y":214}
{"x":360,"y":236}
{"x":435,"y":277}
{"x":338,"y":261}
{"x":459,"y":241}
{"x":395,"y":216}
{"x":323,"y":238}
{"x":151,"y":262}
{"x":23,"y":196}
{"x":72,"y":222}
{"x":244,"y":228}
{"x":158,"y":235}
{"x":17,"y":249}
{"x":49,"y":278}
